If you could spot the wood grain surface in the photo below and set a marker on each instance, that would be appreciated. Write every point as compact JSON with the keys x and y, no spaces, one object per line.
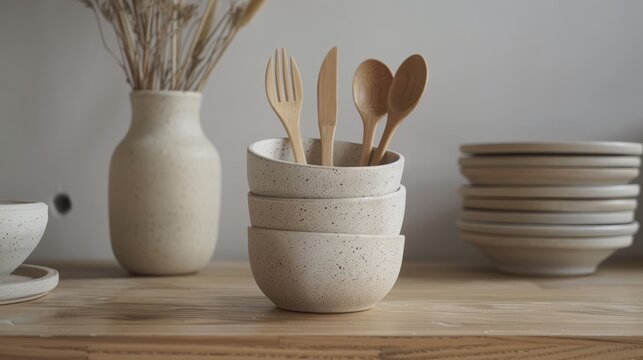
{"x":434,"y":312}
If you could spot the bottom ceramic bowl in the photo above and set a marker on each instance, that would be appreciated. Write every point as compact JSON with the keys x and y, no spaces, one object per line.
{"x":324,"y":273}
{"x":22,"y":224}
{"x":546,"y":256}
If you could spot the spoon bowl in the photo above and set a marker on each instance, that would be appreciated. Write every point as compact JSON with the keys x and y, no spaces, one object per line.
{"x":405,"y":93}
{"x":371,"y":85}
{"x":408,"y":85}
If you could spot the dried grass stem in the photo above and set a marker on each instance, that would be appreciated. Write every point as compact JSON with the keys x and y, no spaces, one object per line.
{"x":170,"y":44}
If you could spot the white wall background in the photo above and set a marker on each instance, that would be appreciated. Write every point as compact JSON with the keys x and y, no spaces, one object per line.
{"x":500,"y":70}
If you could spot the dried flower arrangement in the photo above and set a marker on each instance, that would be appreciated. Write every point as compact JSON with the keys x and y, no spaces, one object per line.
{"x":170,"y":44}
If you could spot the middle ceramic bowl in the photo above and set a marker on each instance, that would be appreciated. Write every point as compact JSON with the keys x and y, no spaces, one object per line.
{"x":324,"y":273}
{"x":273,"y":172}
{"x":377,"y":215}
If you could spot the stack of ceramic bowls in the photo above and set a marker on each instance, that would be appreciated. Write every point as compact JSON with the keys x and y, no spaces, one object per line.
{"x":549,"y":208}
{"x":324,"y":239}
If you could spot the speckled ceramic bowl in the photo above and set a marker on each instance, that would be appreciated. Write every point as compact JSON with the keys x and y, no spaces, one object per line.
{"x":324,"y":273}
{"x":22,"y":224}
{"x":273,"y":172}
{"x":377,"y":215}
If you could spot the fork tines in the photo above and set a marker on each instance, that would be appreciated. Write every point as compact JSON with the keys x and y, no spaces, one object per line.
{"x":283,"y":79}
{"x":284,"y":91}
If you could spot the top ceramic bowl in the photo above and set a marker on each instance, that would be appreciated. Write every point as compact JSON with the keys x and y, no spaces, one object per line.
{"x":22,"y":224}
{"x":273,"y":172}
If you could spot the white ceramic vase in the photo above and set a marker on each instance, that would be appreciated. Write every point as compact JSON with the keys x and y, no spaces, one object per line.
{"x":164,"y":187}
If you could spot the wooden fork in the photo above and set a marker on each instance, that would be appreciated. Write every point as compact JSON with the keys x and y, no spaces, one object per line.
{"x":283,"y":88}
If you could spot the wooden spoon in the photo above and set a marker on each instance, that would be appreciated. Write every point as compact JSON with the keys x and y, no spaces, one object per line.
{"x":405,"y":93}
{"x":370,"y":93}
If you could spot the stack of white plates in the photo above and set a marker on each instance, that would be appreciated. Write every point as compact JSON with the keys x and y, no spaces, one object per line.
{"x":550,"y":208}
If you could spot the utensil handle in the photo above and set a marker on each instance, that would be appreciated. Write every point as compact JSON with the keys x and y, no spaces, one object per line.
{"x":389,"y":131}
{"x":367,"y":142}
{"x":327,"y":134}
{"x":295,"y":141}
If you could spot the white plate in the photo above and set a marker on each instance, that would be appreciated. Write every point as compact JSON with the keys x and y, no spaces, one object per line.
{"x":27,"y":282}
{"x":552,"y":192}
{"x":550,"y":161}
{"x":550,"y":176}
{"x":567,"y":147}
{"x":549,"y":230}
{"x":546,"y":257}
{"x":562,"y":242}
{"x":569,"y":218}
{"x":551,"y":205}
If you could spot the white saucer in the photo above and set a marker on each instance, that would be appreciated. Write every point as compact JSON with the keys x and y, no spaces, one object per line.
{"x":549,"y":230}
{"x":552,"y":192}
{"x":546,"y":256}
{"x":549,"y":161}
{"x":549,"y":176}
{"x":551,"y":205}
{"x":28,"y":282}
{"x":569,"y":218}
{"x":561,"y":242}
{"x":568,"y":147}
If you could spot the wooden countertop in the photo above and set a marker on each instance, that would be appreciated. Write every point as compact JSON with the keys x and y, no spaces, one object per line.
{"x":98,"y":311}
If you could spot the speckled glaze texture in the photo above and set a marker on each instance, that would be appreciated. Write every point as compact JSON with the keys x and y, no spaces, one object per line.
{"x":27,"y":282}
{"x":164,"y":187}
{"x":379,"y":215}
{"x":324,"y":273}
{"x":273,"y":172}
{"x":22,"y":225}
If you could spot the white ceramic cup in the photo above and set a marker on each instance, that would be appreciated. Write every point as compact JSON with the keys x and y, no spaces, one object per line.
{"x":22,"y":225}
{"x":324,"y":273}
{"x":273,"y":172}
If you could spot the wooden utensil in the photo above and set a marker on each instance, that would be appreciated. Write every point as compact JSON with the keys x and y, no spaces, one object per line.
{"x":284,"y":91}
{"x":405,"y":93}
{"x":370,"y":93}
{"x":327,"y":105}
